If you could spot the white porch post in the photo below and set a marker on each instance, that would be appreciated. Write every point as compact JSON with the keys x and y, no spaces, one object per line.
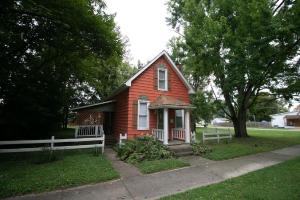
{"x":187,"y":126}
{"x":166,"y":128}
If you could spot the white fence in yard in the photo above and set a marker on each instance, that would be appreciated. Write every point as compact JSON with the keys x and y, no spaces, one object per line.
{"x":178,"y":133}
{"x":217,"y":135}
{"x":193,"y":137}
{"x":158,"y":134}
{"x":51,"y":144}
{"x":122,"y":138}
{"x":89,"y":131}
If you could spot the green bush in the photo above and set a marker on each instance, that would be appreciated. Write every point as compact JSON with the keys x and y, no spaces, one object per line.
{"x":143,"y":148}
{"x":200,"y":149}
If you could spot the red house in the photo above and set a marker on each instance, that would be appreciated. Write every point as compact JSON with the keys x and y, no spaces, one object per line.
{"x":154,"y":101}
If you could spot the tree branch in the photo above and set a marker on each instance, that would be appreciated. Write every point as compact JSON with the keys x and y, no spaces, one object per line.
{"x":217,"y":100}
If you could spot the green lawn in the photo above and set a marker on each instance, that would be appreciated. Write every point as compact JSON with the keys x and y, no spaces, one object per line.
{"x":279,"y":182}
{"x":148,"y":167}
{"x":27,"y":173}
{"x":259,"y":141}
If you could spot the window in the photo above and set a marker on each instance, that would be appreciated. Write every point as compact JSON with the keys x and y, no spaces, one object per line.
{"x":178,"y":118}
{"x":162,"y":79}
{"x":143,"y":113}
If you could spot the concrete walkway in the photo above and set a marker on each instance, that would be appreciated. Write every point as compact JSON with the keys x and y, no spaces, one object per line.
{"x":125,"y":170}
{"x":202,"y":172}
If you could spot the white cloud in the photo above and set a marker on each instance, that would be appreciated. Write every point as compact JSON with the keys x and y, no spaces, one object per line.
{"x":144,"y":23}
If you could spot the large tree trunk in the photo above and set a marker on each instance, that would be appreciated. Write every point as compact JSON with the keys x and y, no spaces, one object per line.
{"x":239,"y":124}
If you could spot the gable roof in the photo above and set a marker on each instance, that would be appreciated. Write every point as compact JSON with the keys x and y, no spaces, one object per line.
{"x":179,"y":74}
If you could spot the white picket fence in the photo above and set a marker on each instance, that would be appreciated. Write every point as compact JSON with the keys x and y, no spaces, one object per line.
{"x":158,"y":134}
{"x":193,"y":137}
{"x":122,"y":138}
{"x":51,"y":144}
{"x":178,"y":133}
{"x":217,"y":135}
{"x":89,"y":131}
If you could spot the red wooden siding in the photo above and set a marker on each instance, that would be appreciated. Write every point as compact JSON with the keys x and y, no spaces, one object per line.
{"x":121,"y":114}
{"x":143,"y":85}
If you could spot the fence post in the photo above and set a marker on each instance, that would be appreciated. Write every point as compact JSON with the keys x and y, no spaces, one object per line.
{"x":218,"y":138}
{"x":52,"y":143}
{"x":96,"y":130}
{"x":103,"y":143}
{"x":76,"y":131}
{"x":203,"y":134}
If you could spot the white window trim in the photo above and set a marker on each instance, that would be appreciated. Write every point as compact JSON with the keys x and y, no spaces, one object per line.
{"x":166,"y":78}
{"x":182,"y":118}
{"x":138,"y":115}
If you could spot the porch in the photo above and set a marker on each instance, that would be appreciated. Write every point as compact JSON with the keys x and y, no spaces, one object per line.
{"x":172,"y":120}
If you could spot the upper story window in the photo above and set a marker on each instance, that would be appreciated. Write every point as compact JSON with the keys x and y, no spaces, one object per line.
{"x":162,"y":79}
{"x":143,"y":115}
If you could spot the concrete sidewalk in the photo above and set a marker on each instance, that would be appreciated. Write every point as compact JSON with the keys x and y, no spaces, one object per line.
{"x":202,"y":172}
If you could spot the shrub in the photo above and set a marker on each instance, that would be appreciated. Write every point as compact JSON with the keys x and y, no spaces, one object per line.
{"x":143,"y":148}
{"x":200,"y":149}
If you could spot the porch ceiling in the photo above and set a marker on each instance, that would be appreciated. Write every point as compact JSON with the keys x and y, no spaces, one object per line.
{"x":169,"y":102}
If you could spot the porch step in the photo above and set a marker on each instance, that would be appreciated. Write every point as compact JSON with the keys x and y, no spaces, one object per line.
{"x":181,"y":150}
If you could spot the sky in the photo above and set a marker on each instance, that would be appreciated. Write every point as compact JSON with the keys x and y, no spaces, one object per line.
{"x":143,"y":22}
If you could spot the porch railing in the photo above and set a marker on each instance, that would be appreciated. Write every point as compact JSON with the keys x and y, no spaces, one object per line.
{"x":158,"y":134}
{"x":89,"y":131}
{"x":178,"y":133}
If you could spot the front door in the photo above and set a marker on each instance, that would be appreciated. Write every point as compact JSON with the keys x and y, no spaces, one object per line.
{"x":160,"y":119}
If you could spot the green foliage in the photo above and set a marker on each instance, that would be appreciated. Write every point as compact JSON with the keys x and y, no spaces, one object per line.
{"x":277,"y":182}
{"x":143,"y":148}
{"x":264,"y":106}
{"x":242,"y":46}
{"x":50,"y":52}
{"x":200,"y":149}
{"x":20,"y":174}
{"x":205,"y":106}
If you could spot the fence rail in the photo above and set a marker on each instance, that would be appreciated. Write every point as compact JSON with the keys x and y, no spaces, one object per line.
{"x":217,"y":135}
{"x":158,"y":134}
{"x":51,"y":144}
{"x":178,"y":133}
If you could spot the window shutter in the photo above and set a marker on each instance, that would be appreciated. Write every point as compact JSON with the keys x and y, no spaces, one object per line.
{"x":134,"y":113}
{"x":155,"y":77}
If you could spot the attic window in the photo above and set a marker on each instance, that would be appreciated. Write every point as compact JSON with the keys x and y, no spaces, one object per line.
{"x":162,"y":79}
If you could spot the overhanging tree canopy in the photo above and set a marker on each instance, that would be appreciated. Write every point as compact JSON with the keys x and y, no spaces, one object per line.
{"x":245,"y":46}
{"x":48,"y":48}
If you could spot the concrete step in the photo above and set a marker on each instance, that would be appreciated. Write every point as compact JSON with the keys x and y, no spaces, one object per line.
{"x":181,"y":150}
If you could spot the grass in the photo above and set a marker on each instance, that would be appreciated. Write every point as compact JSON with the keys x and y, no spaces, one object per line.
{"x":259,"y":141}
{"x":30,"y":173}
{"x":148,"y":167}
{"x":279,"y":182}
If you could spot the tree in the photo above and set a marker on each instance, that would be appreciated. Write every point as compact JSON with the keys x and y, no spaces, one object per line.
{"x":205,"y":105}
{"x":242,"y":46}
{"x":264,"y":106}
{"x":49,"y":49}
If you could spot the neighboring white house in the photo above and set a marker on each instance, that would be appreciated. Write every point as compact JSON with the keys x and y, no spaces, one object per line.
{"x":286,"y":120}
{"x":216,"y":121}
